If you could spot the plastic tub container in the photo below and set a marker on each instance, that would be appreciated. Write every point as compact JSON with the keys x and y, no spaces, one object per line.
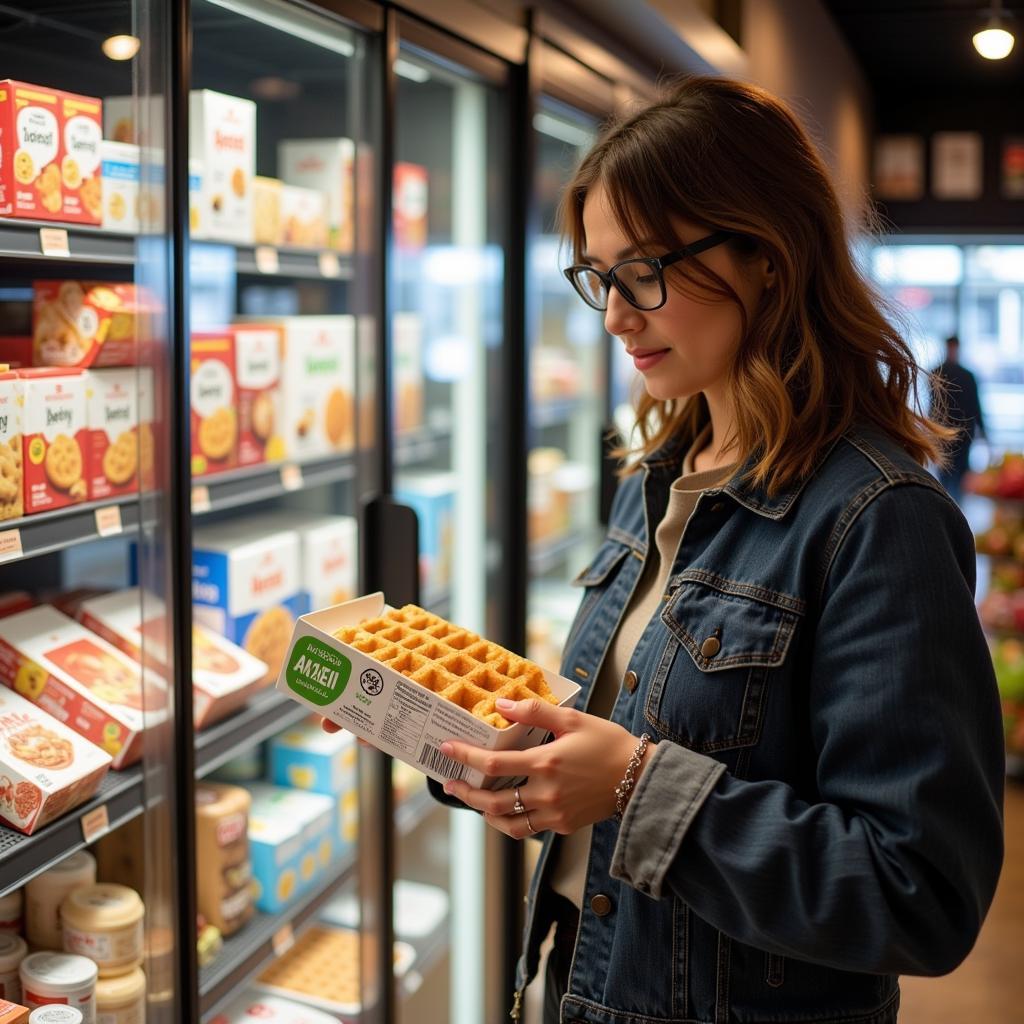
{"x":12,"y":951}
{"x":56,"y":1015}
{"x":61,"y":979}
{"x":104,"y":923}
{"x":11,"y":908}
{"x":46,"y":892}
{"x":121,"y":999}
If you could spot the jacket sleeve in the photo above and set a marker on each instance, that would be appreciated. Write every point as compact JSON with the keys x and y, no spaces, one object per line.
{"x":891,"y":866}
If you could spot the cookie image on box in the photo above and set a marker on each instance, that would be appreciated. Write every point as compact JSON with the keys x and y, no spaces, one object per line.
{"x":63,"y":462}
{"x":269,"y":636}
{"x":340,"y":424}
{"x":24,"y":168}
{"x":217,"y":434}
{"x":11,"y":480}
{"x":121,"y":458}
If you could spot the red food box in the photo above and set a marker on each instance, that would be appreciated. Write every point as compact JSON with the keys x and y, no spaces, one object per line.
{"x":258,"y":355}
{"x":212,"y":393}
{"x":81,"y":680}
{"x":45,"y":767}
{"x":55,"y":451}
{"x":49,"y":154}
{"x":113,"y":420}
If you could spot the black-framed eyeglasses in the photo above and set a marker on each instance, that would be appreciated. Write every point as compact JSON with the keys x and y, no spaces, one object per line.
{"x":640,"y":281}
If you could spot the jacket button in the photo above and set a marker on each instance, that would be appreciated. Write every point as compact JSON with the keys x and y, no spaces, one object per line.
{"x":711,"y":647}
{"x":630,"y":681}
{"x":601,"y":905}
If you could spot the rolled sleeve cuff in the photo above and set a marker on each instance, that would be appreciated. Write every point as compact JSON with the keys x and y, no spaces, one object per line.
{"x":668,"y":795}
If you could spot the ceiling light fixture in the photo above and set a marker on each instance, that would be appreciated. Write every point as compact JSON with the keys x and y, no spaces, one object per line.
{"x":994,"y":42}
{"x":121,"y":47}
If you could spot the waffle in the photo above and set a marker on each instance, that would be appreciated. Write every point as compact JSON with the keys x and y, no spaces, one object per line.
{"x":452,"y":662}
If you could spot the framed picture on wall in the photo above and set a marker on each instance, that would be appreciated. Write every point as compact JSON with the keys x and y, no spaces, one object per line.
{"x":956,"y":165}
{"x":899,"y":167}
{"x":1012,"y":169}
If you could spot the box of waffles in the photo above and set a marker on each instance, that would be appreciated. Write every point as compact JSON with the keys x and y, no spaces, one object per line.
{"x":223,"y":675}
{"x":80,"y":679}
{"x":89,"y":323}
{"x":12,"y":502}
{"x":213,"y":396}
{"x":406,"y":680}
{"x":55,"y":454}
{"x":113,"y":444}
{"x":45,"y":767}
{"x":258,"y":371}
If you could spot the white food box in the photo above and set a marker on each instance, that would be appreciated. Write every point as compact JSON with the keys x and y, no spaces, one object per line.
{"x":119,"y":169}
{"x":394,"y":713}
{"x":46,"y":767}
{"x":222,"y":134}
{"x":326,"y":165}
{"x":264,"y":1008}
{"x":223,"y":675}
{"x":303,"y":217}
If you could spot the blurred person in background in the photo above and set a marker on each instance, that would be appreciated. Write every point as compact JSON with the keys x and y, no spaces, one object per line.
{"x":959,"y":407}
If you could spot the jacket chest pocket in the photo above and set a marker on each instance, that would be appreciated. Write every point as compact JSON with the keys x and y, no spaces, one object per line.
{"x":595,"y":580}
{"x":725,"y":638}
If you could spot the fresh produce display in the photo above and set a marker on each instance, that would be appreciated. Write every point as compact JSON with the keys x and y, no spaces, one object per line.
{"x":1004,"y":479}
{"x":1008,"y":659}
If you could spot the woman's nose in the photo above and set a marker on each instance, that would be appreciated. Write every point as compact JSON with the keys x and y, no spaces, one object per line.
{"x":620,"y":317}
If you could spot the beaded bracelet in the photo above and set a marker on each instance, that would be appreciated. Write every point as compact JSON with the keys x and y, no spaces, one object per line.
{"x":625,"y":787}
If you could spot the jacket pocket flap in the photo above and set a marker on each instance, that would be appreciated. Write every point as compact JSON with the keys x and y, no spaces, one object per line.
{"x":724,"y":629}
{"x":607,"y":558}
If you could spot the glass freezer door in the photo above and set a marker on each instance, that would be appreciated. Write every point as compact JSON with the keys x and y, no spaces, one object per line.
{"x":447,"y":333}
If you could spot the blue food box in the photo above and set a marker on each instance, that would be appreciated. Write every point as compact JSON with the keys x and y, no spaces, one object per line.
{"x":291,"y":842}
{"x":432,"y":498}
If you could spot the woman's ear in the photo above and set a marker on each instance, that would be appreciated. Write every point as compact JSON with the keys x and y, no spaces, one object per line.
{"x":768,"y":273}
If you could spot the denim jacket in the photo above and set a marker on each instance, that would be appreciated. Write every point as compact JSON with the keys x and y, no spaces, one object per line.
{"x":824,"y":808}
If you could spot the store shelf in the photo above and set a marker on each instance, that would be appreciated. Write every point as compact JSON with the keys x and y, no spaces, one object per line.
{"x":241,"y":487}
{"x":430,"y":952}
{"x":415,"y":447}
{"x":51,"y":531}
{"x":266,"y":714}
{"x":271,"y":261}
{"x":21,"y":239}
{"x":549,"y":554}
{"x":245,"y":952}
{"x":122,"y":797}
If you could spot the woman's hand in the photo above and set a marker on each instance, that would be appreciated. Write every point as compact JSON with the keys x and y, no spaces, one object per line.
{"x":571,"y":780}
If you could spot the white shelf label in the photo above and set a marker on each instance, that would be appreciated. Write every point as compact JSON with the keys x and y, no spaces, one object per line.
{"x":95,"y":824}
{"x":283,"y":940}
{"x":108,"y":521}
{"x":10,"y":545}
{"x":200,"y":500}
{"x":54,"y":242}
{"x":291,"y":477}
{"x":267,"y":261}
{"x":330,"y":265}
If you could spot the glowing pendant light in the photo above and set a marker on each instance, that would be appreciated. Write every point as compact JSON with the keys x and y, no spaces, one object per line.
{"x":994,"y":42}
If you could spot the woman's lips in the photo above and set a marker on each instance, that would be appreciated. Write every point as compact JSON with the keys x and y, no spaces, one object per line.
{"x":645,"y":358}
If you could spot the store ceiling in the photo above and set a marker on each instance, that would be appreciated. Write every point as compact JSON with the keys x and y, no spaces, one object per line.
{"x":921,"y":45}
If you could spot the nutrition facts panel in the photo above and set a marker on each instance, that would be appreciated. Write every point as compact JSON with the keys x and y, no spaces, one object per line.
{"x":405,"y":718}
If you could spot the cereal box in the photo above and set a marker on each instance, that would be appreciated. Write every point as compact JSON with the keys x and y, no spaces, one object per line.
{"x":49,"y":154}
{"x":15,"y":1013}
{"x":55,"y":454}
{"x":223,"y":675}
{"x":326,"y":166}
{"x":258,"y":375}
{"x":213,"y":399}
{"x":318,"y":385}
{"x":119,"y":169}
{"x":148,"y":426}
{"x":267,"y":226}
{"x":82,"y":126}
{"x":81,"y":680}
{"x":113,"y":445}
{"x":88,"y":323}
{"x":303,"y":217}
{"x":328,"y":553}
{"x":12,"y":502}
{"x":222,"y":134}
{"x":45,"y":767}
{"x":291,"y":842}
{"x":246,"y":587}
{"x":410,"y":206}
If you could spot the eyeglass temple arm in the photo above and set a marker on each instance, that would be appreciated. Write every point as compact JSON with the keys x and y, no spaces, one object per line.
{"x":698,"y":247}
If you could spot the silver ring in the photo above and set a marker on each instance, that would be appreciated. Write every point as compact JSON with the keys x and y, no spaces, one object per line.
{"x":529,"y":824}
{"x":517,"y":807}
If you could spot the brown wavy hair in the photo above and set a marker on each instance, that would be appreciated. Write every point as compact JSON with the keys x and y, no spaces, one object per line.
{"x":821,"y":352}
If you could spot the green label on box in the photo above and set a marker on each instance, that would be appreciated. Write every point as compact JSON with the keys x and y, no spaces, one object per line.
{"x":317,"y":672}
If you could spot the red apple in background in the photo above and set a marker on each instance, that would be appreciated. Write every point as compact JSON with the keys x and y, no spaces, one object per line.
{"x":996,"y":541}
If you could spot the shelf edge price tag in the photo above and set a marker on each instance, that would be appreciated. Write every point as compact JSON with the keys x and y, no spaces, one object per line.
{"x":10,"y":545}
{"x":54,"y":242}
{"x":330,"y":265}
{"x":283,"y":940}
{"x":291,"y":477}
{"x":95,"y":824}
{"x":201,"y":499}
{"x":267,"y":261}
{"x":108,"y":521}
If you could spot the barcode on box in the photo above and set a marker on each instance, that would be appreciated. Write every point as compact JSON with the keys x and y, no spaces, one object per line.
{"x":433,"y":760}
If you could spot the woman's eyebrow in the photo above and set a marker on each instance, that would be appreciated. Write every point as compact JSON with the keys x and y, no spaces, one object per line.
{"x":621,"y":254}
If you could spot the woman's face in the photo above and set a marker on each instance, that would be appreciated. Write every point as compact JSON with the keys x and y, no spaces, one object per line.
{"x":688,"y":345}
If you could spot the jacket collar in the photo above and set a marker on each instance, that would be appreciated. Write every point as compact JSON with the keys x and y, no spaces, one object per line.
{"x":667,"y":462}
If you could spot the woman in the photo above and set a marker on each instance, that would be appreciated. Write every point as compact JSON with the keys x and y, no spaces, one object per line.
{"x":781,"y":786}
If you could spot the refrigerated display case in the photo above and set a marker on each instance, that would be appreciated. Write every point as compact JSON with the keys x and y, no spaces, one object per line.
{"x":448,"y":345}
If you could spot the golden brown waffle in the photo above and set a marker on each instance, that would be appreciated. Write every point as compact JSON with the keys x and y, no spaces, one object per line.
{"x":452,"y":662}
